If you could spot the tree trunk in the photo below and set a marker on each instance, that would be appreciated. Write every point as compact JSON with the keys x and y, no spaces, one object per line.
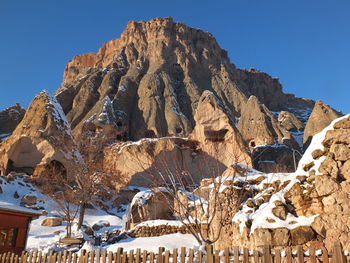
{"x":81,"y":215}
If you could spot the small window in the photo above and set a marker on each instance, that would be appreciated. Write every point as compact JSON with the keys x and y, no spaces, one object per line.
{"x":8,"y":237}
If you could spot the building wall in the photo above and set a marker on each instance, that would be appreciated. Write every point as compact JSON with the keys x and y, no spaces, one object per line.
{"x":17,"y":224}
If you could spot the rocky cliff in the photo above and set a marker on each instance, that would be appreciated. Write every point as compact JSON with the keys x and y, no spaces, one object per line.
{"x":154,"y":75}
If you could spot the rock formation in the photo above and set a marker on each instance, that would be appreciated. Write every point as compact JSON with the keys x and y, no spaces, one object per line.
{"x":42,"y":138}
{"x":258,"y":126}
{"x":154,"y":74}
{"x":289,"y":121}
{"x":321,"y":116}
{"x":214,"y":142}
{"x":9,"y":119}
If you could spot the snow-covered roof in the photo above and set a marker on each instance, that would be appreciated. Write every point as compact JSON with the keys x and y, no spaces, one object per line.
{"x":4,"y":206}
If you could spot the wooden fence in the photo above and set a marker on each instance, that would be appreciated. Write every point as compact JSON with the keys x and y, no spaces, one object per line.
{"x":183,"y":255}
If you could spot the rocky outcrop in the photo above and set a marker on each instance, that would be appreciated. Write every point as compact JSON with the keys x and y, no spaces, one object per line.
{"x":258,"y":126}
{"x":43,"y":138}
{"x":215,"y":142}
{"x":150,"y":205}
{"x":322,"y":115}
{"x":155,"y":74}
{"x":216,"y":133}
{"x":9,"y":119}
{"x":326,"y":193}
{"x":52,"y":221}
{"x":289,"y":121}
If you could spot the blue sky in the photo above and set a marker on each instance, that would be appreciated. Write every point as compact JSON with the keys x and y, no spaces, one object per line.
{"x":304,"y":43}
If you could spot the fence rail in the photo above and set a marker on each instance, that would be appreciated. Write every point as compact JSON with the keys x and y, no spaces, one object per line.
{"x":184,"y":255}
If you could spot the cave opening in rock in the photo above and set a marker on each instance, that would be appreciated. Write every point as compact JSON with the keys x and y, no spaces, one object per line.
{"x":252,"y":143}
{"x":23,"y":157}
{"x":215,"y":136}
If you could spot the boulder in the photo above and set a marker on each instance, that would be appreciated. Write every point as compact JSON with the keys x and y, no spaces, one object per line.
{"x":301,"y":235}
{"x":150,"y":205}
{"x":341,"y":152}
{"x":280,"y":236}
{"x":51,"y":221}
{"x":289,"y":121}
{"x":280,"y":212}
{"x":29,"y":200}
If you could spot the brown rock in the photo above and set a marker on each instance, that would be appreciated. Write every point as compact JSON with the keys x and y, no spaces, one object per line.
{"x":301,"y":235}
{"x":329,"y":167}
{"x":42,"y":137}
{"x":262,"y":236}
{"x":258,"y":126}
{"x":325,"y":185}
{"x":52,"y":221}
{"x":317,"y":154}
{"x":289,"y":121}
{"x":322,"y":115}
{"x":280,"y":236}
{"x":150,"y":205}
{"x":341,"y":152}
{"x":9,"y":119}
{"x":345,"y":170}
{"x":343,"y":124}
{"x":280,"y":212}
{"x":28,"y":200}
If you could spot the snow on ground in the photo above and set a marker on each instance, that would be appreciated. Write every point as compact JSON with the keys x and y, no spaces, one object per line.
{"x":43,"y":237}
{"x":170,"y":241}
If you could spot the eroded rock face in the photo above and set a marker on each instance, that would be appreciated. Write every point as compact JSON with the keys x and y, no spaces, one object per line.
{"x":326,"y":191}
{"x":259,"y":127}
{"x":215,"y":142}
{"x":42,"y":137}
{"x":9,"y":119}
{"x":216,"y":133}
{"x":322,"y":115}
{"x":150,"y":205}
{"x":155,"y":74}
{"x":289,"y":121}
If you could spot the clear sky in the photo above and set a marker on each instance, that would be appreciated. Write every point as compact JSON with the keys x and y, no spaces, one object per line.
{"x":306,"y":43}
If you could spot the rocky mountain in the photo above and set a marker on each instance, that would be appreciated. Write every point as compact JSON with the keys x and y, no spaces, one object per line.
{"x":164,"y":100}
{"x":154,"y":75}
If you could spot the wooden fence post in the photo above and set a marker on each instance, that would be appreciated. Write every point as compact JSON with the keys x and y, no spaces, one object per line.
{"x":175,"y":255}
{"x":151,"y":257}
{"x":312,"y":252}
{"x":245,"y":255}
{"x":300,"y":254}
{"x":160,"y":255}
{"x":183,"y":255}
{"x":144,"y":256}
{"x":190,"y":255}
{"x":338,"y":253}
{"x":110,"y":257}
{"x":236,"y":254}
{"x":256,"y":256}
{"x":210,"y":255}
{"x":267,"y":254}
{"x":277,"y":256}
{"x":166,"y":256}
{"x":138,"y":255}
{"x":98,"y":255}
{"x":131,"y":256}
{"x":119,"y":254}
